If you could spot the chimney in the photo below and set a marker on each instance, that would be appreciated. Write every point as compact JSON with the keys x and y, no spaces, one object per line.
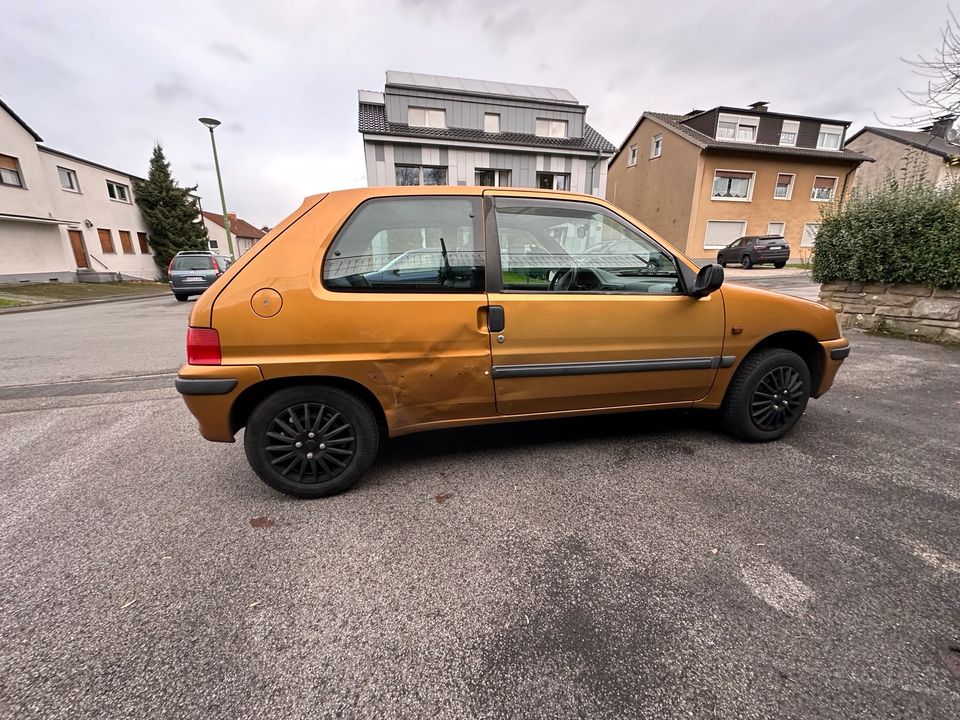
{"x":940,"y":126}
{"x":760,"y":106}
{"x":233,"y":217}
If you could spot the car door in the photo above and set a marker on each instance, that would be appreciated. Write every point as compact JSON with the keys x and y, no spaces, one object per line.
{"x":588,"y":311}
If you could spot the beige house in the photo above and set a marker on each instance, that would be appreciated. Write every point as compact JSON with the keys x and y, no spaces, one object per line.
{"x":906,"y":154}
{"x":64,"y":218}
{"x":704,"y":179}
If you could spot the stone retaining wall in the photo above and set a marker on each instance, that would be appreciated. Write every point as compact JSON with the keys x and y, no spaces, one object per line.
{"x":906,"y":309}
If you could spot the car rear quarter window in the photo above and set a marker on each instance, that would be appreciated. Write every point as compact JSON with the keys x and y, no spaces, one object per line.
{"x":409,"y":244}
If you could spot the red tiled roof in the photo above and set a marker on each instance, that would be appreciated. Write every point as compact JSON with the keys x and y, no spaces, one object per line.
{"x":239,"y":227}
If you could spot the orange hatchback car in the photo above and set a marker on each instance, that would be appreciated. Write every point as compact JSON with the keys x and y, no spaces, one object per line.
{"x":383,"y":311}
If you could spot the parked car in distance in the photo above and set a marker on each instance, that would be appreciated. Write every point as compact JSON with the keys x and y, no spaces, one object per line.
{"x":193,"y":271}
{"x":753,"y":250}
{"x":388,"y":310}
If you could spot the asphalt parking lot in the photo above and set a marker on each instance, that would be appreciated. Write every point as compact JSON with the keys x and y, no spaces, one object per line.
{"x":638,"y":566}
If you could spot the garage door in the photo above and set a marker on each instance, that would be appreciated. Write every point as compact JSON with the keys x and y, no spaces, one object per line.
{"x":721,"y":233}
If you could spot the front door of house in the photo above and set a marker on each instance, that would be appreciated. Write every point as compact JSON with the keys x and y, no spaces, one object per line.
{"x":79,"y":253}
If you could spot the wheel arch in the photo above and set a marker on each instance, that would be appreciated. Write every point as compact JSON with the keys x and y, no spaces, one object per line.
{"x":803,"y":344}
{"x":253,"y":395}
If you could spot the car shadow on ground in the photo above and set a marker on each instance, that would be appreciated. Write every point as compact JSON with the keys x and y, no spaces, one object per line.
{"x":655,"y":424}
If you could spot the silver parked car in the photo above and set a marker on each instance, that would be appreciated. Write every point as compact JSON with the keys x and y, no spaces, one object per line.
{"x":193,"y":271}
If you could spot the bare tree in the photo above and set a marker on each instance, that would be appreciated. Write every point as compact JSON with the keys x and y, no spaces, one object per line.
{"x":941,"y":73}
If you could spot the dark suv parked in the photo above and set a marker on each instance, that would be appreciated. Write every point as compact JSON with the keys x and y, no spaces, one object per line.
{"x":192,"y":272}
{"x":753,"y":250}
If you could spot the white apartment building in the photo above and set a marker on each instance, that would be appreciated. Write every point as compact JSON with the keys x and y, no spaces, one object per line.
{"x":64,"y":218}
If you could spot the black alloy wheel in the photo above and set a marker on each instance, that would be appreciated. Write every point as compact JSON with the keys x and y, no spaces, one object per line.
{"x":310,"y":443}
{"x":746,"y":263}
{"x":777,"y":399}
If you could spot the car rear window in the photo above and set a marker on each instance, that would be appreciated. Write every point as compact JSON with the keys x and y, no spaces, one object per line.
{"x":193,"y":262}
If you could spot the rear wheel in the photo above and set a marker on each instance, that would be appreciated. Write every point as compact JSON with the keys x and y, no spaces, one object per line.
{"x":311,"y":441}
{"x":180,"y":297}
{"x":779,"y":265}
{"x":767,"y":395}
{"x":746,"y":263}
{"x":720,"y":261}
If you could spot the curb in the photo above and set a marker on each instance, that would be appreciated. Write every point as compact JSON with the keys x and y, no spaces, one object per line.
{"x":54,"y":305}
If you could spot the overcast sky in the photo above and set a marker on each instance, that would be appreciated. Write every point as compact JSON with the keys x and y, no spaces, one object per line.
{"x":105,"y":80}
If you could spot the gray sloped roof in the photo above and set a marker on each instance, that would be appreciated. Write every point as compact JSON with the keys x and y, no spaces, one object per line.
{"x":920,"y":139}
{"x":480,"y":87}
{"x":373,"y":120}
{"x":705,"y":141}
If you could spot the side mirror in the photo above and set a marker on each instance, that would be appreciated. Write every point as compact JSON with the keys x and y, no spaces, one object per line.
{"x":709,"y":279}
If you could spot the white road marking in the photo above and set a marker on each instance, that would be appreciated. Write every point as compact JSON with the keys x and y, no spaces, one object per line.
{"x":776,"y":587}
{"x":932,"y":557}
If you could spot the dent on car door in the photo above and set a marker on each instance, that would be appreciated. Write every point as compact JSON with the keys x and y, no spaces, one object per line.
{"x":595,"y":313}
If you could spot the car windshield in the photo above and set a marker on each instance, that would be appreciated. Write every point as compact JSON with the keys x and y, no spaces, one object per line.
{"x":193,"y":262}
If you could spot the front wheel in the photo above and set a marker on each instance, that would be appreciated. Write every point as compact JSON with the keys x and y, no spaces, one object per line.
{"x":746,"y":263}
{"x":767,"y":395}
{"x":311,"y":441}
{"x":779,"y":266}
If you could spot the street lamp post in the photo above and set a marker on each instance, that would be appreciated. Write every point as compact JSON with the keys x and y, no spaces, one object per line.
{"x":210,"y":124}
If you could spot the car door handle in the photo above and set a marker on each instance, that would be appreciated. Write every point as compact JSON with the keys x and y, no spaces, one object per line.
{"x":496,"y":320}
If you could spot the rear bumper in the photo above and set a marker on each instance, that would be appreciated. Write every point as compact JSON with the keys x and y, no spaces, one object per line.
{"x":210,"y":391}
{"x":833,"y":353}
{"x":773,"y":256}
{"x":189,"y":288}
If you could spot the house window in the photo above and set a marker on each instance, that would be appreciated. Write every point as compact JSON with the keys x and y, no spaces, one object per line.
{"x":784,"y":187}
{"x":732,"y":185}
{"x":491,"y":122}
{"x":68,"y":179}
{"x":656,"y":145}
{"x":776,"y":228}
{"x":551,"y":128}
{"x":830,"y":137}
{"x":144,"y":245}
{"x":118,"y":192}
{"x":10,"y":171}
{"x":788,"y":133}
{"x":493,"y":178}
{"x":126,"y":242}
{"x":213,"y":244}
{"x":427,"y":117}
{"x":809,"y":237}
{"x":739,"y":128}
{"x":553,"y":181}
{"x":632,"y":156}
{"x":721,"y":233}
{"x":824,"y":188}
{"x":106,"y":240}
{"x":421,"y":175}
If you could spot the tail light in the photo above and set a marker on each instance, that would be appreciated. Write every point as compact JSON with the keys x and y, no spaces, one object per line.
{"x":170,"y":267}
{"x":203,"y":346}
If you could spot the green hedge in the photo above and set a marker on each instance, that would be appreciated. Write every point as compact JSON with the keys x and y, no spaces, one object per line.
{"x":895,"y":233}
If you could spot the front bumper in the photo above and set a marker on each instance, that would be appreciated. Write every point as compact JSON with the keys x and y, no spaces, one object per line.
{"x":832,"y":355}
{"x":210,"y":392}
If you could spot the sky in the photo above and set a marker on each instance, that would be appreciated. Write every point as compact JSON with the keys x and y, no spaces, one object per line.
{"x":107,"y":80}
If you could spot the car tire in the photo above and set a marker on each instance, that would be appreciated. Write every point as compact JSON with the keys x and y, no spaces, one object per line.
{"x":180,"y":297}
{"x":721,"y":262}
{"x":746,"y":262}
{"x":779,"y":266}
{"x":343,"y":446}
{"x":767,"y":396}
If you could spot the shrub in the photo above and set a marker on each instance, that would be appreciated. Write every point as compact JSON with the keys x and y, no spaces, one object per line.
{"x":899,"y":232}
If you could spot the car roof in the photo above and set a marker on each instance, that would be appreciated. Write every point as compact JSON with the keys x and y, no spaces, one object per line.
{"x":361,"y":194}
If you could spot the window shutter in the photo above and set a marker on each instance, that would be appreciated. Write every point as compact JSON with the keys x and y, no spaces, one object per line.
{"x":8,"y":163}
{"x":734,"y":175}
{"x":106,"y":240}
{"x":824,"y":182}
{"x":783,"y":179}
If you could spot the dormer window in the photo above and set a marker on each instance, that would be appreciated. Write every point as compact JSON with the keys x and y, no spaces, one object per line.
{"x":551,"y":128}
{"x":737,"y":128}
{"x":788,"y":132}
{"x":427,"y":117}
{"x":830,"y":137}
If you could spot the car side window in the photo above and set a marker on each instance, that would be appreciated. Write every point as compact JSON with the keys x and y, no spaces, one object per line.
{"x":409,"y":244}
{"x":562,"y":246}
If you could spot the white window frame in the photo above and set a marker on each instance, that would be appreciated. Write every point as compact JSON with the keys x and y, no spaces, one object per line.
{"x":126,"y":192}
{"x":18,"y":172}
{"x":793,"y":183}
{"x":72,"y":174}
{"x":783,"y":231}
{"x":748,"y":198}
{"x":795,"y":125}
{"x":498,"y":176}
{"x":706,"y":232}
{"x":632,"y":155}
{"x":431,"y":118}
{"x":813,"y":188}
{"x":804,"y":235}
{"x":420,"y":168}
{"x":487,"y":124}
{"x":555,"y":175}
{"x":835,"y":130}
{"x":548,"y":127}
{"x":656,"y":146}
{"x":738,"y":121}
